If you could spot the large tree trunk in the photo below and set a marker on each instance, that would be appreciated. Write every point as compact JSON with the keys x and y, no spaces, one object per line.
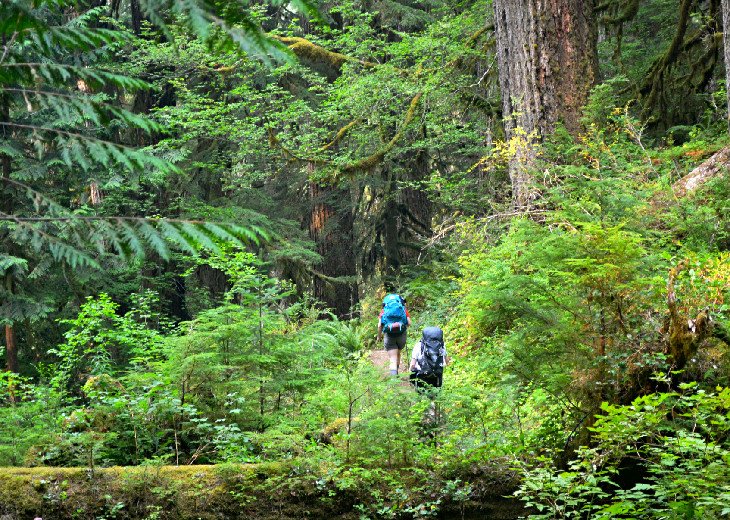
{"x":417,"y":210}
{"x":331,"y":228}
{"x":11,"y":347}
{"x":391,"y":228}
{"x":726,"y":40}
{"x":547,"y":59}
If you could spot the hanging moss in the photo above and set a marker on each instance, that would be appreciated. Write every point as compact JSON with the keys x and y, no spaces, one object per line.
{"x":621,"y":12}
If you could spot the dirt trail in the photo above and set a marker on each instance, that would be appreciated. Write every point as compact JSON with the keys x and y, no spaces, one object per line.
{"x":379,"y":358}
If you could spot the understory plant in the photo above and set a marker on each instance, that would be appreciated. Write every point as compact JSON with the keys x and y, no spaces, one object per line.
{"x":666,"y":455}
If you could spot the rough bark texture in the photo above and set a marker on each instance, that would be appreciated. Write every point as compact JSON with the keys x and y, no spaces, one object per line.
{"x":546,"y":53}
{"x":417,"y":209}
{"x":708,"y":170}
{"x":11,"y":349}
{"x":726,"y":39}
{"x":332,"y":231}
{"x":391,"y":227}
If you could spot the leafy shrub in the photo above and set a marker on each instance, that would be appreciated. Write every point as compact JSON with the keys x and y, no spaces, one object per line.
{"x":666,"y":455}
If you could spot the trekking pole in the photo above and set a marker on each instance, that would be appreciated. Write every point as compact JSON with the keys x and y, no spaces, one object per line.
{"x":408,"y":358}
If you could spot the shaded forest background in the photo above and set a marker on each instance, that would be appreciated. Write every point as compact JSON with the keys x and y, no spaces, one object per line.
{"x":203,"y":203}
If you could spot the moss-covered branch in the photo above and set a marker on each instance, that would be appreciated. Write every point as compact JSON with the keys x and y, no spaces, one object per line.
{"x":621,"y":13}
{"x":368,"y":163}
{"x":654,"y":81}
{"x":304,"y":49}
{"x":288,"y":153}
{"x":340,"y":134}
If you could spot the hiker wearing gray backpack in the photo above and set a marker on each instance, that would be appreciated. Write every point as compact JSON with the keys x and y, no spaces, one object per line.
{"x":393,"y":324}
{"x":428,"y":359}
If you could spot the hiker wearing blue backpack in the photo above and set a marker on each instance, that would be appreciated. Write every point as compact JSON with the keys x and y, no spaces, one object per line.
{"x":393,"y":324}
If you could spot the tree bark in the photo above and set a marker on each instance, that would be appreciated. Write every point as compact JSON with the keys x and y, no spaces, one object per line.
{"x":710,"y":169}
{"x":417,"y":208}
{"x":548,"y":62}
{"x":331,"y":228}
{"x":11,"y":350}
{"x":391,"y":227}
{"x":11,"y":347}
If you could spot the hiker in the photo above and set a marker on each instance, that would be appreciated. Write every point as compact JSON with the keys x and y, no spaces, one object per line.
{"x":428,"y":359}
{"x":393,"y":324}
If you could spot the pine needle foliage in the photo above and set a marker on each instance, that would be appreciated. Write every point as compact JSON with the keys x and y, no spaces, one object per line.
{"x":62,"y":112}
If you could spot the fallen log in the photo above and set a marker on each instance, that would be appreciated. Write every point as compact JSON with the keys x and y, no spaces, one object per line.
{"x":708,"y":170}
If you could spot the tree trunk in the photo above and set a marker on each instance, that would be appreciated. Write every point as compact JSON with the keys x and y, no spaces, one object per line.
{"x":417,"y":208}
{"x":11,"y":349}
{"x":136,"y":13}
{"x":391,"y":228}
{"x":547,"y":59}
{"x":331,"y":228}
{"x":726,"y":40}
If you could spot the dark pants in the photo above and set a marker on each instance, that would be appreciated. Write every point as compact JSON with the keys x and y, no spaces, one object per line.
{"x":425,"y":382}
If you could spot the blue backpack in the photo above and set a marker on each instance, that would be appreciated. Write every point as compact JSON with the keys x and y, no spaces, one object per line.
{"x":394,"y":318}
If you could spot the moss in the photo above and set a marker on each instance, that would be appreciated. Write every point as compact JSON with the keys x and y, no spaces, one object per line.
{"x":340,"y":134}
{"x":261,"y":491}
{"x":370,"y":162}
{"x":283,"y":490}
{"x":305,"y":49}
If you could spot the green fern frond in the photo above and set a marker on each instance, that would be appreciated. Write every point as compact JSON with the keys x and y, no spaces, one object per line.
{"x":48,"y":73}
{"x":26,"y":72}
{"x":131,"y":237}
{"x":172,"y":233}
{"x":70,"y":107}
{"x":154,"y":238}
{"x":73,"y":256}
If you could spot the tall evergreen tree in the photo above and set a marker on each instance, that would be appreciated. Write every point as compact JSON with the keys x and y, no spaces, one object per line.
{"x":547,"y":59}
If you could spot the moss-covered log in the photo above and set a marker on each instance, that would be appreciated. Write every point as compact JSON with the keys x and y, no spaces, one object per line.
{"x":253,"y":492}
